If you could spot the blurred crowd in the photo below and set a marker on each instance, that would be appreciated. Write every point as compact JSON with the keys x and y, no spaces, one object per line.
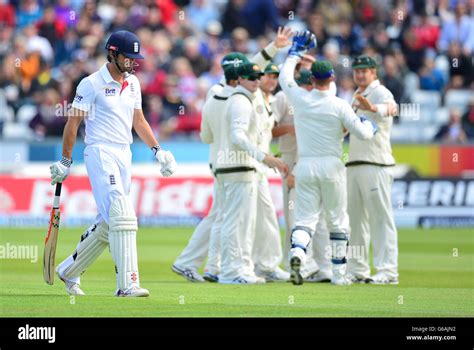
{"x":47,"y":47}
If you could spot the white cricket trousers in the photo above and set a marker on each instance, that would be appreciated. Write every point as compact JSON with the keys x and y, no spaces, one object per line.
{"x":239,"y":207}
{"x":318,"y":253}
{"x":321,"y":185}
{"x":369,"y":191}
{"x":267,"y":252}
{"x":109,"y":168}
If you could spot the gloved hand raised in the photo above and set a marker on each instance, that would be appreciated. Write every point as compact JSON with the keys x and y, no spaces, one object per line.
{"x":302,"y":42}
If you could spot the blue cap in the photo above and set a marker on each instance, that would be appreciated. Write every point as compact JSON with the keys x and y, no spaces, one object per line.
{"x":124,"y":42}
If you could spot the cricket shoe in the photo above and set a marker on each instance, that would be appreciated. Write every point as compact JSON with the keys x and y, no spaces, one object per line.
{"x":340,"y":279}
{"x":72,"y":288}
{"x":321,"y":276}
{"x":244,"y":280}
{"x":132,"y":292}
{"x":277,"y":275}
{"x":189,"y":274}
{"x":309,"y":271}
{"x":381,"y":278}
{"x":210,"y":277}
{"x":358,"y":279}
{"x":295,"y":266}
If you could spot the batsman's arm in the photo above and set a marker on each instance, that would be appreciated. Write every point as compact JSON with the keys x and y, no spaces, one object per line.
{"x":143,"y":129}
{"x":75,"y":117}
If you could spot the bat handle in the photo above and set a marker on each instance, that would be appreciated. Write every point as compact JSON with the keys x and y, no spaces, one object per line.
{"x":57,"y":194}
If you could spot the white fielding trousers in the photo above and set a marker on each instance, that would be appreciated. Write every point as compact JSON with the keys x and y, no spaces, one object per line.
{"x":318,"y":252}
{"x":238,"y":229}
{"x":369,"y":190}
{"x":267,"y":252}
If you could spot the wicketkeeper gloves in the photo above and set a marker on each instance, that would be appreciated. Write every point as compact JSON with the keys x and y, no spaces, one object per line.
{"x":302,"y":42}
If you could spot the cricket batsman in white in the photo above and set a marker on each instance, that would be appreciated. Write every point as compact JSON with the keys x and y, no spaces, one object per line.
{"x":320,"y":119}
{"x":110,"y":103}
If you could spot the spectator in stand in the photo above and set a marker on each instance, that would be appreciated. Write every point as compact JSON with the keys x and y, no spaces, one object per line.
{"x":48,"y":121}
{"x":240,"y":40}
{"x":468,"y":120}
{"x":153,"y":18}
{"x":350,"y":38}
{"x":333,"y":11}
{"x":392,"y":79}
{"x":37,"y":43}
{"x":459,"y":29}
{"x":51,"y":27}
{"x":187,"y":80}
{"x":316,"y":25}
{"x":6,"y":42}
{"x":191,"y":51}
{"x":7,"y":14}
{"x":453,"y":131}
{"x":214,"y":75}
{"x":460,"y":67}
{"x":431,"y":78}
{"x":30,"y":12}
{"x":200,"y":13}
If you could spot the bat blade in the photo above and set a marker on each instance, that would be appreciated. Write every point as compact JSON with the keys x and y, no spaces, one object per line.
{"x":50,"y":246}
{"x":52,"y":239}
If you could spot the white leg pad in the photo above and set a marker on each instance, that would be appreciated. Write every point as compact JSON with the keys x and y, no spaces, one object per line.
{"x":92,"y":244}
{"x":123,"y":228}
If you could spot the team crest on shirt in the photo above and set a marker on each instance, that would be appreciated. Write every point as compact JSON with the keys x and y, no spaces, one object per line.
{"x":110,"y":91}
{"x":259,"y":109}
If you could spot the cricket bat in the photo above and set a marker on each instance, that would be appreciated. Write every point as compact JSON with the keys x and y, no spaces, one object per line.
{"x":51,"y":239}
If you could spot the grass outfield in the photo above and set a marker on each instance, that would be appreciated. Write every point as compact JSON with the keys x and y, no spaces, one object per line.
{"x":433,"y":283}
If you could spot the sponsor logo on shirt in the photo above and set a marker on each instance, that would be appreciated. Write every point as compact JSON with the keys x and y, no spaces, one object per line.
{"x":78,"y":98}
{"x":110,"y":92}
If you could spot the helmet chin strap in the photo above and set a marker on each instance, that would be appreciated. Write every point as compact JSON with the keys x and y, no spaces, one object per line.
{"x":124,"y":70}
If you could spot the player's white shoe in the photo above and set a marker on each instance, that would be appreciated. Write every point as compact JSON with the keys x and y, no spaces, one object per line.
{"x":72,"y":288}
{"x":189,"y":274}
{"x":210,"y":277}
{"x":340,"y":279}
{"x":358,"y":279}
{"x":277,"y":275}
{"x":244,"y":280}
{"x":319,"y":277}
{"x":132,"y":292}
{"x":381,"y":278}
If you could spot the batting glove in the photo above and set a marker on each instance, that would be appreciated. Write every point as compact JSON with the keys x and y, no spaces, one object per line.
{"x":302,"y":42}
{"x":60,"y":170}
{"x":166,"y":160}
{"x":369,"y":123}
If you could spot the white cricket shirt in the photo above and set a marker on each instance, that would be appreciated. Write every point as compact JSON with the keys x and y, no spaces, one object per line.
{"x":109,"y":106}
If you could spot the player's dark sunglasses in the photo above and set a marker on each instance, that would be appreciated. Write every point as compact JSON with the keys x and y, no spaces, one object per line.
{"x":253,"y":77}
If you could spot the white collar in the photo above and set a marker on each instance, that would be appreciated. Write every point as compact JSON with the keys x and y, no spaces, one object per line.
{"x":369,"y":87}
